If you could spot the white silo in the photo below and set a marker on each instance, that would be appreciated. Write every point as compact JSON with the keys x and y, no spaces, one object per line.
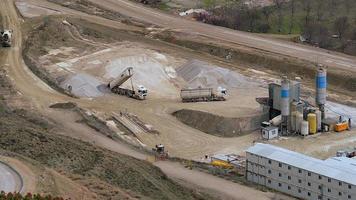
{"x":321,"y":85}
{"x":285,"y":104}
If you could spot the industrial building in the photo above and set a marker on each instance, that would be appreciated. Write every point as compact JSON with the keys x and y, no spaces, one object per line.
{"x":294,"y":115}
{"x":301,"y":176}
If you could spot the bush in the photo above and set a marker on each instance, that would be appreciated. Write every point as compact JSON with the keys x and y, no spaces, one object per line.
{"x":29,"y":196}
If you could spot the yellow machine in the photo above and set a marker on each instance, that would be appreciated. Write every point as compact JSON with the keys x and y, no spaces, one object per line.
{"x":221,"y":164}
{"x":312,"y":123}
{"x":342,"y":126}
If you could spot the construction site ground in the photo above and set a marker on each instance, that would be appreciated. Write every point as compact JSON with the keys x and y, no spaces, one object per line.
{"x":83,"y":50}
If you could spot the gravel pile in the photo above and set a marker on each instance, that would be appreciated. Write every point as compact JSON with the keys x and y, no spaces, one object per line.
{"x":200,"y":74}
{"x":83,"y":85}
{"x":148,"y":71}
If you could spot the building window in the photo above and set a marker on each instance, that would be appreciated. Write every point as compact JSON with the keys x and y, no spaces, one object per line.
{"x":320,"y":197}
{"x":280,"y":184}
{"x":289,"y":167}
{"x":289,"y":177}
{"x":309,"y":194}
{"x":320,"y":177}
{"x":299,"y":190}
{"x":269,"y":181}
{"x":329,"y":190}
{"x":299,"y":181}
{"x":319,"y":187}
{"x":309,"y":184}
{"x":280,"y":164}
{"x":340,"y":183}
{"x":269,"y":161}
{"x":329,"y":180}
{"x":349,"y":186}
{"x":349,"y":196}
{"x":269,"y":171}
{"x":279,"y":174}
{"x":300,"y":171}
{"x":288,"y":187}
{"x":309,"y":174}
{"x":340,"y":194}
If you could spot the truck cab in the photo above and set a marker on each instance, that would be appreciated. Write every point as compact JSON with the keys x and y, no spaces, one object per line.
{"x":5,"y":38}
{"x":221,"y":92}
{"x":142,"y":92}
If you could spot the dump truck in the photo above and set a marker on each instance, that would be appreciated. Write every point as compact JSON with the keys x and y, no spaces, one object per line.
{"x":5,"y":38}
{"x":203,"y":94}
{"x":139,"y":93}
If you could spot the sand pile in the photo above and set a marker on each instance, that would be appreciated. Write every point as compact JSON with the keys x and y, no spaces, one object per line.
{"x":83,"y":85}
{"x":200,"y":74}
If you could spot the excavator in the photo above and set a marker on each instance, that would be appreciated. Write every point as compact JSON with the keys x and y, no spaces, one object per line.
{"x":139,"y":93}
{"x":5,"y":38}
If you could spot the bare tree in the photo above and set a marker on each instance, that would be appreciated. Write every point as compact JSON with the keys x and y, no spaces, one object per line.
{"x":266,"y":11}
{"x":292,"y":8}
{"x":279,"y":6}
{"x":319,"y":10}
{"x":332,"y":6}
{"x":341,"y":25}
{"x":307,"y":9}
{"x":348,"y":5}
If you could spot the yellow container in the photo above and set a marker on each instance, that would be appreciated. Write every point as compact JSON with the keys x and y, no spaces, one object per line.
{"x":221,"y":164}
{"x":313,"y":126}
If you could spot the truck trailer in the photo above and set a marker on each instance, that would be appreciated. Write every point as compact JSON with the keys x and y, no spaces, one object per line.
{"x":139,"y":93}
{"x":5,"y":38}
{"x":203,"y":94}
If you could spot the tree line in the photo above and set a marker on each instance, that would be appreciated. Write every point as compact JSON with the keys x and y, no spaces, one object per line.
{"x":329,"y":24}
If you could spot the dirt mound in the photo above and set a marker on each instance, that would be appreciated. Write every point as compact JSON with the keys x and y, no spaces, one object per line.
{"x":219,"y":125}
{"x":67,"y":105}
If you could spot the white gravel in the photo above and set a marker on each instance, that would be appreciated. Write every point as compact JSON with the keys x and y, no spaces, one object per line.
{"x":200,"y":74}
{"x":148,"y":71}
{"x":83,"y":85}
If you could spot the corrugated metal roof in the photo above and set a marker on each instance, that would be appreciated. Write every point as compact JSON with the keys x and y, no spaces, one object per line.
{"x":339,"y":169}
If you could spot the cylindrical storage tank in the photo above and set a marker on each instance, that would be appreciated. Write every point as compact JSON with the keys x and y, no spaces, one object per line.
{"x":299,"y":120}
{"x":304,"y":128}
{"x":321,"y":84}
{"x":285,"y":97}
{"x":293,"y":121}
{"x":312,"y":123}
{"x":318,"y":119}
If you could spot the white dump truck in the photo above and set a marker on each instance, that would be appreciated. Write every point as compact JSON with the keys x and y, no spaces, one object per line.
{"x":5,"y":38}
{"x":139,"y":93}
{"x":203,"y":94}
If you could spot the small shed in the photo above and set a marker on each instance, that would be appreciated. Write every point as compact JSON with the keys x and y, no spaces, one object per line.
{"x":269,"y":132}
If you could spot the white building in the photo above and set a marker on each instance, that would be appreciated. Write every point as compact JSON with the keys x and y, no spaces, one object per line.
{"x":269,"y":132}
{"x":301,"y":176}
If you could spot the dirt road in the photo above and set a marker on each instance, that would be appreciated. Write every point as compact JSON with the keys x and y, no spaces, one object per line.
{"x":41,"y":96}
{"x":331,"y":59}
{"x":10,"y":180}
